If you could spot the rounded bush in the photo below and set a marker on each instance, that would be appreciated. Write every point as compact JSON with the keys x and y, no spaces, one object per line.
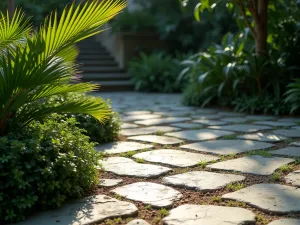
{"x":43,"y":166}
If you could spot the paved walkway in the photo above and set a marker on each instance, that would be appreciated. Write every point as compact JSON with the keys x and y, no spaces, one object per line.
{"x":179,"y":165}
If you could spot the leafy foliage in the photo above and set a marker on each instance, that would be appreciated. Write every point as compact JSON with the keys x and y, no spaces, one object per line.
{"x":293,"y":95}
{"x":43,"y":166}
{"x":156,"y":72}
{"x":98,"y":132}
{"x":51,"y":66}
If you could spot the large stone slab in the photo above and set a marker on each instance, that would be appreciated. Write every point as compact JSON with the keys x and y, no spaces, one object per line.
{"x":127,"y":167}
{"x":268,"y":137}
{"x":293,"y":178}
{"x":137,"y":112}
{"x":261,"y":118}
{"x":241,"y":127}
{"x":275,"y":198}
{"x":285,"y":222}
{"x":202,"y":180}
{"x":90,"y":210}
{"x":276,"y":123}
{"x":296,"y":127}
{"x":289,"y":151}
{"x":166,"y":120}
{"x":109,"y":182}
{"x":156,"y":195}
{"x":206,"y":111}
{"x":227,"y":147}
{"x":139,"y":117}
{"x":231,"y":114}
{"x":234,"y":120}
{"x":128,"y":125}
{"x":175,"y":157}
{"x":147,"y":130}
{"x":289,"y":119}
{"x":122,"y":146}
{"x":292,"y":133}
{"x":157,"y":139}
{"x":254,"y":164}
{"x":138,"y":222}
{"x":199,"y":135}
{"x":174,"y":114}
{"x":187,"y":125}
{"x":297,"y":143}
{"x":209,"y":122}
{"x":206,"y":117}
{"x":209,"y":215}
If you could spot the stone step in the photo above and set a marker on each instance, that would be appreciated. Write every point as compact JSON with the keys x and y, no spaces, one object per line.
{"x":101,"y":69}
{"x":105,"y":76}
{"x":94,"y":62}
{"x":107,"y":86}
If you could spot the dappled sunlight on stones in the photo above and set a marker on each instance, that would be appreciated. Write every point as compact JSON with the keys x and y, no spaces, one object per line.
{"x":227,"y":147}
{"x":275,"y":198}
{"x":175,"y":157}
{"x":199,"y":135}
{"x":209,"y":215}
{"x":254,"y":164}
{"x":156,"y":195}
{"x":122,"y":146}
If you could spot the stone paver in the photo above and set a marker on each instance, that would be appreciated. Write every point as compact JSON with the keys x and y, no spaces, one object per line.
{"x":276,"y":123}
{"x":296,"y":120}
{"x":137,"y":112}
{"x":254,"y":164}
{"x":285,"y":222}
{"x":209,"y":215}
{"x":90,"y":210}
{"x":202,"y":180}
{"x":157,"y":139}
{"x":289,"y":151}
{"x":139,"y":117}
{"x":109,"y":182}
{"x":296,"y":127}
{"x":293,"y":133}
{"x":174,"y":114}
{"x":166,"y":120}
{"x":187,"y":125}
{"x":268,"y":137}
{"x":275,"y":198}
{"x":227,"y":147}
{"x":206,"y":117}
{"x":138,"y":222}
{"x":241,"y":127}
{"x":297,"y":143}
{"x":234,"y":120}
{"x":128,"y":125}
{"x":261,"y":118}
{"x":231,"y":114}
{"x":122,"y":146}
{"x":127,"y":167}
{"x":175,"y":157}
{"x":293,"y":178}
{"x":147,"y":130}
{"x":206,"y":111}
{"x":199,"y":135}
{"x":156,"y":195}
{"x":209,"y":122}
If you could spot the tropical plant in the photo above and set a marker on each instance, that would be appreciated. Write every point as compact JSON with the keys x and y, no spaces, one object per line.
{"x":254,"y":14}
{"x":37,"y":65}
{"x":156,"y":72}
{"x":293,"y":95}
{"x":43,"y":166}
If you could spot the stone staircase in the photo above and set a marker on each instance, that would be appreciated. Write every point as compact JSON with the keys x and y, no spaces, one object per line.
{"x":98,"y":66}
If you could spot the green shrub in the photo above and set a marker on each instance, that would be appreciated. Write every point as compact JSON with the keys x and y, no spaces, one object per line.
{"x":293,"y":95}
{"x":136,"y":21}
{"x":156,"y":72}
{"x":43,"y":166}
{"x":98,"y":132}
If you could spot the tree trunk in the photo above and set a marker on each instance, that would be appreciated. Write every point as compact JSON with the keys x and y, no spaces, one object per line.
{"x":11,"y":7}
{"x":261,"y":28}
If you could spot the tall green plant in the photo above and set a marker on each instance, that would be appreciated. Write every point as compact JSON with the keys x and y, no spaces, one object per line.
{"x":35,"y":66}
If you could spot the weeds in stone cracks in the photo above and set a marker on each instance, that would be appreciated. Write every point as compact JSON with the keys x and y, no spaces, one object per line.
{"x":234,"y":186}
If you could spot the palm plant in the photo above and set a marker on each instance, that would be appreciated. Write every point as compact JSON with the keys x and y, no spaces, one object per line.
{"x":35,"y":66}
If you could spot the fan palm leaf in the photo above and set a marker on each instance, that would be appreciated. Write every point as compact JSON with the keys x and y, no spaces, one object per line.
{"x":43,"y":66}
